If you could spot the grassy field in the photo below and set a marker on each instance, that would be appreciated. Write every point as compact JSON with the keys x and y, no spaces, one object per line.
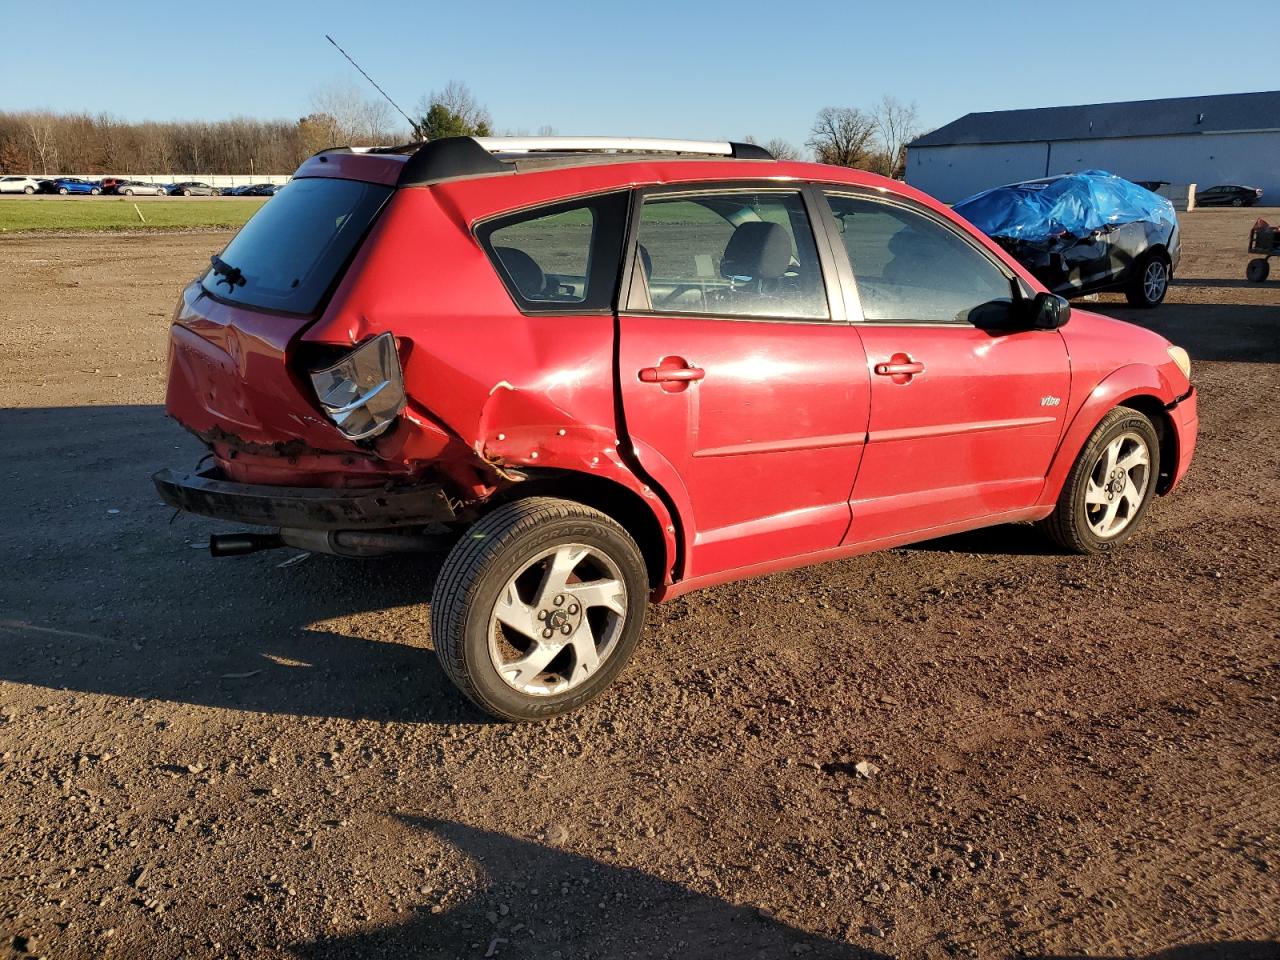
{"x":115,"y":214}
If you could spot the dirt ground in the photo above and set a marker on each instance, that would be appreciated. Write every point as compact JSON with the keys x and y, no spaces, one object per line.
{"x":256,"y":757}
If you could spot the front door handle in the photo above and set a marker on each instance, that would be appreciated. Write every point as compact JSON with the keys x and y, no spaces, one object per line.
{"x":673,"y":374}
{"x":900,"y":369}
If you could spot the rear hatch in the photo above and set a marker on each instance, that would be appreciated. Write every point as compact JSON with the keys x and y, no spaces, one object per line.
{"x":231,"y":379}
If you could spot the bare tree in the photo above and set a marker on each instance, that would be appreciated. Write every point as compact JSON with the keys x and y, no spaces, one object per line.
{"x":782,"y":149}
{"x":42,"y":128}
{"x":842,"y":136}
{"x":896,"y":125}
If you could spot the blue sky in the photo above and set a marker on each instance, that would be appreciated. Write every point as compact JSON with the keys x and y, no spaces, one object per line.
{"x":657,"y":68}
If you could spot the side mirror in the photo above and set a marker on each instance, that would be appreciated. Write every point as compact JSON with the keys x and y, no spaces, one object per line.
{"x":1048,"y":311}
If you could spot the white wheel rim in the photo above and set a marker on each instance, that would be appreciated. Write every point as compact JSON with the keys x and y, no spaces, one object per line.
{"x":1154,"y":281}
{"x":1117,"y":485}
{"x":557,"y":620}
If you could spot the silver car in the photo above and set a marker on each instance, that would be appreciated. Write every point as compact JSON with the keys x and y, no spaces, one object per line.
{"x":135,"y":187}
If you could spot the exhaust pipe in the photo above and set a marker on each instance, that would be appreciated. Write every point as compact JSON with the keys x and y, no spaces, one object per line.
{"x":240,"y":544}
{"x":342,"y":543}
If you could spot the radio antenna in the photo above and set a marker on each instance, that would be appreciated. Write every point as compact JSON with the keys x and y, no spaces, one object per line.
{"x":417,"y":130}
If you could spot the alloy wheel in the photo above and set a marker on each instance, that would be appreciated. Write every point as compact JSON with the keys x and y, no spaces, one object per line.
{"x":1154,"y":281}
{"x":1117,"y":485}
{"x":557,"y":620}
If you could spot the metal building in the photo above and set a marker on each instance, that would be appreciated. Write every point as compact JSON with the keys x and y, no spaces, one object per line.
{"x":1230,"y":138}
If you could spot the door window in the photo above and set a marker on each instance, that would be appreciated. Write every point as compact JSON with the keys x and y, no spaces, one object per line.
{"x":559,"y":258}
{"x":909,"y":267}
{"x":733,"y":254}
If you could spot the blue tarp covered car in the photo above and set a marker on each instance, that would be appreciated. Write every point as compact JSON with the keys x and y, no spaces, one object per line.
{"x":1084,"y":232}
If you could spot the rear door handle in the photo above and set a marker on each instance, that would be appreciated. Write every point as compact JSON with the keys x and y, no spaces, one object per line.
{"x":671,"y":374}
{"x":908,"y":369}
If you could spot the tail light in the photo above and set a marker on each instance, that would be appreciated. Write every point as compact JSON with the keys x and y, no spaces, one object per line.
{"x":363,"y":393}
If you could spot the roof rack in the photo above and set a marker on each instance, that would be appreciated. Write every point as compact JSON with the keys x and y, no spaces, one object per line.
{"x":453,"y":158}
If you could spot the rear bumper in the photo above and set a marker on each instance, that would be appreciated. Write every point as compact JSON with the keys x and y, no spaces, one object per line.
{"x":1186,"y":422}
{"x":305,"y":508}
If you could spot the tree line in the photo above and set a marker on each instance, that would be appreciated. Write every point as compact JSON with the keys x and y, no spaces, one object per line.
{"x":44,"y":142}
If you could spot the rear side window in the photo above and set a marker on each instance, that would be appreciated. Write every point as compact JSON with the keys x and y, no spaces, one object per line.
{"x":561,"y":258}
{"x":911,"y":268}
{"x":289,"y":255}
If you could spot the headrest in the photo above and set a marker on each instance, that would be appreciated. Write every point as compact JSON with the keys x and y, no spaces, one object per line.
{"x":523,"y":270}
{"x":758,"y":249}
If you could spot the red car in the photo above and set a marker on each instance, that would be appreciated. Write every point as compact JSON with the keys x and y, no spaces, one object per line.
{"x":604,"y":372}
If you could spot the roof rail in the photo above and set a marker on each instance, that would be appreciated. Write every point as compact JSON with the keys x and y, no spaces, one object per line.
{"x":453,"y":158}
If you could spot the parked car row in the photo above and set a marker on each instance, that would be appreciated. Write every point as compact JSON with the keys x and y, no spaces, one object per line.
{"x":66,"y":186}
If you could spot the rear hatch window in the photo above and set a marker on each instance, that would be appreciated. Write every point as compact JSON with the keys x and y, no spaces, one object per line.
{"x":289,"y":255}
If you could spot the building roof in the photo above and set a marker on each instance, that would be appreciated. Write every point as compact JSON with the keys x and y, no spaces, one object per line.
{"x":1231,"y":112}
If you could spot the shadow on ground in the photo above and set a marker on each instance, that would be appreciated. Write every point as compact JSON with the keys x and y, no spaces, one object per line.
{"x":117,"y":596}
{"x":538,"y":901}
{"x":1246,"y":333}
{"x":581,"y":908}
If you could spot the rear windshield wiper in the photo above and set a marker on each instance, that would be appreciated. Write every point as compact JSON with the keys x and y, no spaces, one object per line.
{"x":227,"y":274}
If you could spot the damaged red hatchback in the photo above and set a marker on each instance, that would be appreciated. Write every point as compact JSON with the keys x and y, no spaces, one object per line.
{"x":603,"y":371}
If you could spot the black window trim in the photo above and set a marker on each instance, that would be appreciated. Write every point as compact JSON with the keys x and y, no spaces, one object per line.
{"x":482,"y":229}
{"x":822,"y":243}
{"x":1017,"y":287}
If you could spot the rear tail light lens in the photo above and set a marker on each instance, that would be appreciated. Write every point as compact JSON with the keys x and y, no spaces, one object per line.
{"x":363,"y":393}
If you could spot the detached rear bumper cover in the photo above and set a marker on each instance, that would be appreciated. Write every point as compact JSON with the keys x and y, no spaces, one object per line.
{"x":308,"y":508}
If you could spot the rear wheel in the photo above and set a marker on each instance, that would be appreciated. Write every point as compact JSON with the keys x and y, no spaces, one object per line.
{"x":94,"y":192}
{"x":1258,"y":270}
{"x":62,"y":191}
{"x":128,"y":193}
{"x":1150,"y":282}
{"x":28,"y":190}
{"x":539,"y":607}
{"x":1237,"y":202}
{"x":1110,"y":486}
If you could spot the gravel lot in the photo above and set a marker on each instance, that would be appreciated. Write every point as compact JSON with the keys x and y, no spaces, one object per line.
{"x":250,"y":757}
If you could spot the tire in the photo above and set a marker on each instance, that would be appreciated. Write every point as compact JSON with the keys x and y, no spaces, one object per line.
{"x":1258,"y":270}
{"x":1149,"y":284}
{"x":1237,"y":202}
{"x":495,"y":601}
{"x":28,"y":190}
{"x":94,"y":192}
{"x":62,"y":191}
{"x":128,"y":193}
{"x":1079,"y":521}
{"x":186,"y":193}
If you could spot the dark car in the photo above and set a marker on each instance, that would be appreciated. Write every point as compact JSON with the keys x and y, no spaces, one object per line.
{"x":259,"y":190}
{"x":1152,"y":185}
{"x":68,"y":185}
{"x":1084,"y":233}
{"x":193,"y":188}
{"x":1228,"y":195}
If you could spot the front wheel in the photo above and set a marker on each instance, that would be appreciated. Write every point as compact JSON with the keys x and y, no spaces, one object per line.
{"x":62,"y":191}
{"x":28,"y":190}
{"x":539,"y":607}
{"x":1149,"y":283}
{"x":1258,"y":270}
{"x":94,"y":192}
{"x":1110,"y":487}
